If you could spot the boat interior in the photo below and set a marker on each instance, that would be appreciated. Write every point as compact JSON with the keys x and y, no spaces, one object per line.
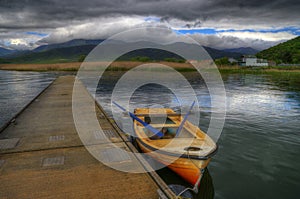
{"x":168,"y":122}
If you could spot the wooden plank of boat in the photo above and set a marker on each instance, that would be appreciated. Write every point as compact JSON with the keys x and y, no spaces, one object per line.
{"x":176,"y":152}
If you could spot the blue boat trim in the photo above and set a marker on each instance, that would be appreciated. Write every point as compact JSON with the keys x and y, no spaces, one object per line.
{"x":148,"y":126}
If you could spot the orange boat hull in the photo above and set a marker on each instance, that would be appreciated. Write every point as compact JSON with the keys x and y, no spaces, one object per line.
{"x":184,"y":148}
{"x":184,"y":167}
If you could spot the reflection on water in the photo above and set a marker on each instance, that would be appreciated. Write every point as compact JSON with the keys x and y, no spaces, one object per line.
{"x":150,"y":95}
{"x":206,"y":190}
{"x":260,"y":140}
{"x":259,"y":148}
{"x":260,"y":145}
{"x":17,"y":89}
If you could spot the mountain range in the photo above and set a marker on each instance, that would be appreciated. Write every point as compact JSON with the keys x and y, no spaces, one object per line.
{"x":71,"y":43}
{"x":71,"y":51}
{"x":243,"y":50}
{"x":4,"y":52}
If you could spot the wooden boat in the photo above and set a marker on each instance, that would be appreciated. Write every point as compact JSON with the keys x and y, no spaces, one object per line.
{"x":186,"y":153}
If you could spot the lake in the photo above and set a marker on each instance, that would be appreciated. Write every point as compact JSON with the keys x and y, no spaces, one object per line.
{"x":18,"y":89}
{"x":259,"y":147}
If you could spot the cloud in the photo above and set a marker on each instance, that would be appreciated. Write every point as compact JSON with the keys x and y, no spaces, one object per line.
{"x":220,"y":41}
{"x":19,"y":40}
{"x":266,"y":36}
{"x":94,"y":29}
{"x":57,"y":13}
{"x":65,"y":20}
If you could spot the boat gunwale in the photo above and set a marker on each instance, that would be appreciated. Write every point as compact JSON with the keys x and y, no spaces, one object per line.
{"x":195,"y":157}
{"x":171,"y":114}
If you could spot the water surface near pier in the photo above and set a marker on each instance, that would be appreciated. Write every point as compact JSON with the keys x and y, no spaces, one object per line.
{"x":18,"y":88}
{"x":259,"y":147}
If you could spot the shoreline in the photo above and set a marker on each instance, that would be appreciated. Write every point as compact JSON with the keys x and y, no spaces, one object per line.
{"x":127,"y":65}
{"x":74,"y":66}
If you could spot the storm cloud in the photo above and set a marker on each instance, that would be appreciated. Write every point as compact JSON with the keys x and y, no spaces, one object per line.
{"x":65,"y":20}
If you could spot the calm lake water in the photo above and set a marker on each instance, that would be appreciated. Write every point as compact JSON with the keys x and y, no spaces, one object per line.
{"x":260,"y":144}
{"x":259,"y":147}
{"x":17,"y":89}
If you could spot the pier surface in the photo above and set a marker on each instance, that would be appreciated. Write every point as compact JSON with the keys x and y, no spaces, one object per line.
{"x":41,"y":155}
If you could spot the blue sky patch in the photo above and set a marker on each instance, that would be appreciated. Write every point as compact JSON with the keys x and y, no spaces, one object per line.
{"x":211,"y":31}
{"x":155,"y":19}
{"x":206,"y":31}
{"x":37,"y":34}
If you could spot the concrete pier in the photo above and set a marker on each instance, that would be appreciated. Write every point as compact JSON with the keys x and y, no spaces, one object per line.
{"x":41,"y":155}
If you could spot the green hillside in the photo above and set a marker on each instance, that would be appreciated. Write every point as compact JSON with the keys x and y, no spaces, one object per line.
{"x":59,"y":55}
{"x":287,"y":52}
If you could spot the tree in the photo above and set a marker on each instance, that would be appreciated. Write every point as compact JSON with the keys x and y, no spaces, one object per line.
{"x":81,"y":58}
{"x":287,"y":57}
{"x":222,"y":61}
{"x":141,"y":59}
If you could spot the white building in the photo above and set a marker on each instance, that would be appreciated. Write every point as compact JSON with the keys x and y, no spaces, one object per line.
{"x":232,"y":60}
{"x":253,"y":61}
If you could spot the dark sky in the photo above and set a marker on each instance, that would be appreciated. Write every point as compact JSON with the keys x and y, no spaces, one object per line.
{"x":231,"y":23}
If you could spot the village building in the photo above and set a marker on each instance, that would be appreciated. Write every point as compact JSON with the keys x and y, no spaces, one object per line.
{"x":251,"y":60}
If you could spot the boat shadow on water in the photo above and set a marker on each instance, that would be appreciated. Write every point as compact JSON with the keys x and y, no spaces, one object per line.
{"x":177,"y":184}
{"x":206,"y":190}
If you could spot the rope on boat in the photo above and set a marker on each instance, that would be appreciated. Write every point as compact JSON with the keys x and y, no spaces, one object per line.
{"x":196,"y":186}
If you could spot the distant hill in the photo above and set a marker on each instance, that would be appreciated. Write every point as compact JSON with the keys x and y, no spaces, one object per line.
{"x":58,"y":55}
{"x":287,"y":52}
{"x":72,"y":51}
{"x":243,"y":50}
{"x":156,"y":54}
{"x":216,"y":54}
{"x":150,"y":54}
{"x":72,"y":43}
{"x":4,"y":52}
